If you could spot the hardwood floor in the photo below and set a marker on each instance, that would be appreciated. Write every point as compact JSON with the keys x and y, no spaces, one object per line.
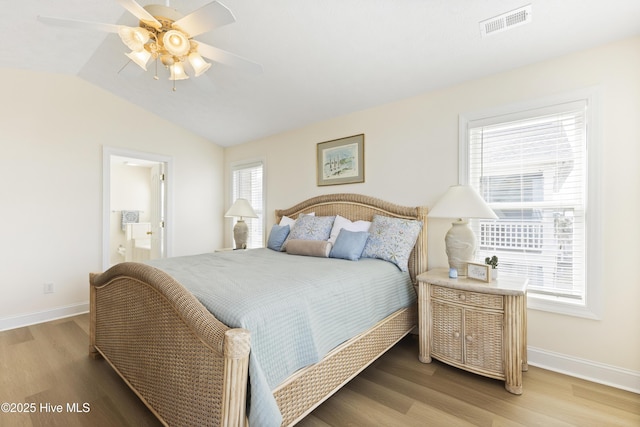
{"x":48,"y":364}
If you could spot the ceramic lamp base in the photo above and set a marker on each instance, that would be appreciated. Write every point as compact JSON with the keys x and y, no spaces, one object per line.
{"x":240,"y":233}
{"x":460,"y":245}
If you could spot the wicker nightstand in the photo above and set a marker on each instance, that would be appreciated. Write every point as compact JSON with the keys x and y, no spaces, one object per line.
{"x":477,"y":326}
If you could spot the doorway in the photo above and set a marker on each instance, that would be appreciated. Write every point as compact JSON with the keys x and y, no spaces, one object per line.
{"x":135,"y":206}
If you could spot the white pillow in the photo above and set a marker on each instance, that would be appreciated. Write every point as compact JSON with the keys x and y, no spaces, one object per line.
{"x":285,"y":220}
{"x":342,"y":222}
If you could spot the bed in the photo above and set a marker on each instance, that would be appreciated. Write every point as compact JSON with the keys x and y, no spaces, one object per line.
{"x":190,"y":368}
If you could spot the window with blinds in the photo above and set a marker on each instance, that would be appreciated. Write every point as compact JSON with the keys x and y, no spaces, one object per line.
{"x":246,"y":182}
{"x":531,"y":168}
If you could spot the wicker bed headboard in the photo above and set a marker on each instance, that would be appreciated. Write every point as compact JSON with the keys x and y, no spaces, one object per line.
{"x":358,"y":207}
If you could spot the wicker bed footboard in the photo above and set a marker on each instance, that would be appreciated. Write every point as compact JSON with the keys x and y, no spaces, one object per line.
{"x":184,"y":364}
{"x":308,"y":388}
{"x":191,"y":369}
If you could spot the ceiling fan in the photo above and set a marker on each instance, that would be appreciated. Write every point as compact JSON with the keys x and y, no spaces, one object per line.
{"x":164,"y":34}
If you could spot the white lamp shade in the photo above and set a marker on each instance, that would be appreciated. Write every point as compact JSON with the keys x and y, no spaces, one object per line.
{"x":177,"y":72}
{"x":176,"y":43}
{"x":134,"y":38}
{"x":199,"y":65}
{"x":241,"y":208}
{"x":462,"y":201}
{"x":141,"y":58}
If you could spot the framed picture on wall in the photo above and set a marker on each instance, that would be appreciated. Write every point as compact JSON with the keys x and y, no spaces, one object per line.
{"x":341,"y":161}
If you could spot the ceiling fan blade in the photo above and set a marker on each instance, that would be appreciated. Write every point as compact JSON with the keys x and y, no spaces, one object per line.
{"x":80,"y":25}
{"x":208,"y":17}
{"x":139,"y":12}
{"x":228,"y":58}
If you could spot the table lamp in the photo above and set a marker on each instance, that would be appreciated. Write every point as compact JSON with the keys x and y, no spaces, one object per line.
{"x":242,"y":209}
{"x":461,"y":202}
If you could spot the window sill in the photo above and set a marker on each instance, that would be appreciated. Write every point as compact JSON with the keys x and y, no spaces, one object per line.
{"x":563,"y":306}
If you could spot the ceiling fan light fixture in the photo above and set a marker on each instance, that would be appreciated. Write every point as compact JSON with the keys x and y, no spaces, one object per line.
{"x":140,"y":58}
{"x":134,"y":38}
{"x":167,"y":60}
{"x":199,"y":65}
{"x":177,"y":72}
{"x":176,"y":43}
{"x":165,"y":34}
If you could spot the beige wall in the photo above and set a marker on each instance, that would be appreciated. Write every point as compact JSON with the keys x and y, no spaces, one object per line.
{"x":53,"y":129}
{"x":411,"y":152}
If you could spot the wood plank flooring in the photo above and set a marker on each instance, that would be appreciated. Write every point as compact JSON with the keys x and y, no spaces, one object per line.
{"x":49,"y":364}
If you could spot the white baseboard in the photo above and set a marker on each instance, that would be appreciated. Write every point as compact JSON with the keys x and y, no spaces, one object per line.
{"x":601,"y":373}
{"x":21,"y":320}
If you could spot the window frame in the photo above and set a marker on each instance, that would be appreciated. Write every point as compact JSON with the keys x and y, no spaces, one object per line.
{"x":591,"y":305}
{"x":245,"y":164}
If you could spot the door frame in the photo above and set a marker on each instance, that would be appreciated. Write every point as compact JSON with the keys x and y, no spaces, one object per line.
{"x":107,"y":154}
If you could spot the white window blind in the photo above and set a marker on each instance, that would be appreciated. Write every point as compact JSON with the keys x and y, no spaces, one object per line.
{"x":247,"y":184}
{"x":531,"y":168}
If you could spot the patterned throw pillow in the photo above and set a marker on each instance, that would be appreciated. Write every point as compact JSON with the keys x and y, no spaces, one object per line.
{"x":309,"y":227}
{"x":392,"y":239}
{"x":285,"y":220}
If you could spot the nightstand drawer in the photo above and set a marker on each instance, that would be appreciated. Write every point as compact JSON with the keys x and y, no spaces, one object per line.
{"x":468,"y":298}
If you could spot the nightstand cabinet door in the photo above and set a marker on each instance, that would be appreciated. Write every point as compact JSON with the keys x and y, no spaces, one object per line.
{"x":446,"y":332}
{"x":480,"y":327}
{"x":483,"y":339}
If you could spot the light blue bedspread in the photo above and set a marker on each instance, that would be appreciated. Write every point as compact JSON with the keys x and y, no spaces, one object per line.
{"x":297,"y":308}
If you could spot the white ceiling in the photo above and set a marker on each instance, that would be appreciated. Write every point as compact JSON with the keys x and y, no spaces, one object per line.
{"x":321,"y":58}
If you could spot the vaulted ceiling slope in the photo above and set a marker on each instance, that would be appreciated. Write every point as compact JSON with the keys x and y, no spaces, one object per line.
{"x":321,"y":59}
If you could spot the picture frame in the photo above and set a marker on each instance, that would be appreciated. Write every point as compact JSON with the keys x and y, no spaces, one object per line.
{"x":480,"y":272}
{"x":340,"y":161}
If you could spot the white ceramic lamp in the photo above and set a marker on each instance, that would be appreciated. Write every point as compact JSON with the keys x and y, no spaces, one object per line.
{"x":461,"y":202}
{"x":242,"y":209}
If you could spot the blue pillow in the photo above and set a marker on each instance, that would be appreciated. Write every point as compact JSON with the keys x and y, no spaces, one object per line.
{"x":349,"y":245}
{"x":277,"y":236}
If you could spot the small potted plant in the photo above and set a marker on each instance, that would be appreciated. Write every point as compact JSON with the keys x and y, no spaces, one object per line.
{"x":493,"y":262}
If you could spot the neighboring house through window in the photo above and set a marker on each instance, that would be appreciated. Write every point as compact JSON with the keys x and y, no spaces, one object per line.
{"x":247,"y":183}
{"x":534,"y":165}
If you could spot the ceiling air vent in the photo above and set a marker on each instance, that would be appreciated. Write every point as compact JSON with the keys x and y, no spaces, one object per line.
{"x":506,"y":21}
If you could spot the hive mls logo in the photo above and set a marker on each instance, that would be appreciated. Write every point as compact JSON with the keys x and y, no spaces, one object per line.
{"x":78,"y":407}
